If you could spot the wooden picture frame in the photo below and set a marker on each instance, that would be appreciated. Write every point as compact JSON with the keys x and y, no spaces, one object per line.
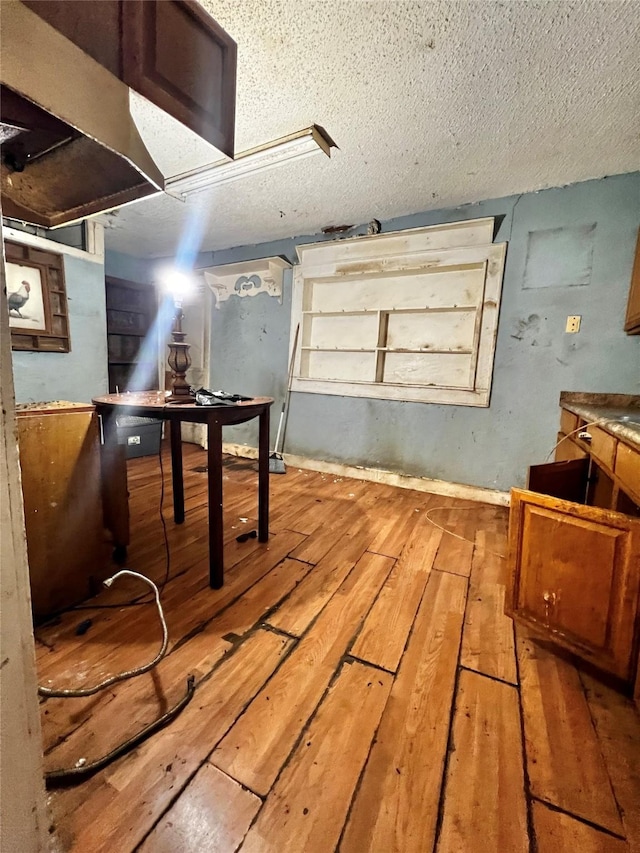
{"x":37,"y":299}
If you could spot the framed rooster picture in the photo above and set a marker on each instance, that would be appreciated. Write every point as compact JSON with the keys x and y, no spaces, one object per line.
{"x":36,"y":299}
{"x":24,"y":298}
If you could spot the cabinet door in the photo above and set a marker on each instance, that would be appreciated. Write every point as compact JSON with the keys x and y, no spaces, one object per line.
{"x":566,"y":480}
{"x":574,"y":578}
{"x":176,"y":55}
{"x":170,"y":51}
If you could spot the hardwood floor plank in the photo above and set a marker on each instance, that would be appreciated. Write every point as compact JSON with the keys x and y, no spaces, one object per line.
{"x":564,"y":757}
{"x":617,"y":724}
{"x":396,"y":807}
{"x":329,"y":501}
{"x":132,"y":704}
{"x":319,"y":497}
{"x":454,"y":555}
{"x":484,"y":799}
{"x":188,"y":578}
{"x":238,"y":580}
{"x":167,"y":795}
{"x":255,"y":749}
{"x":488,"y":641}
{"x":305,"y":811}
{"x":384,"y":634}
{"x":303,"y":605}
{"x":115,"y":809}
{"x":212,"y":814}
{"x":344,"y":515}
{"x":281,"y":582}
{"x":290,"y":514}
{"x":398,"y":517}
{"x":557,"y":832}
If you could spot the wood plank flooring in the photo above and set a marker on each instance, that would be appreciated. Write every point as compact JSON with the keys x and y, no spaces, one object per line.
{"x":358,"y":688}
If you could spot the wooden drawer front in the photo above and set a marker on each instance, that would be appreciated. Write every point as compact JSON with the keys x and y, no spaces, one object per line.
{"x":568,"y":421}
{"x":628,"y":468}
{"x":603,"y":446}
{"x":568,"y":449}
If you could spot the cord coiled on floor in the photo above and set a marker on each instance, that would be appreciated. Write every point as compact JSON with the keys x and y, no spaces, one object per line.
{"x":122,"y":676}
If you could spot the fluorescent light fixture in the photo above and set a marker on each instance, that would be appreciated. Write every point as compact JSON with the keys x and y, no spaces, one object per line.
{"x":312,"y":140}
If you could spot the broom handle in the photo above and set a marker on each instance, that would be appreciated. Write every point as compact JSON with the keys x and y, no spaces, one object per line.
{"x":280,"y":422}
{"x":289,"y":381}
{"x":293,"y":358}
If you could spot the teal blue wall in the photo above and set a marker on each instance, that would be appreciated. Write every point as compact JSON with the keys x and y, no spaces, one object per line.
{"x":570,"y":251}
{"x":127,"y":267}
{"x":80,"y":374}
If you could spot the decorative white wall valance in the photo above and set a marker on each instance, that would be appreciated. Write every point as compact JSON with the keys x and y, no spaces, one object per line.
{"x":410,"y":315}
{"x":246,"y":278}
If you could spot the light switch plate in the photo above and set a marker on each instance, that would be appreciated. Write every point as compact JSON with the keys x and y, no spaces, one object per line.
{"x":573,"y":324}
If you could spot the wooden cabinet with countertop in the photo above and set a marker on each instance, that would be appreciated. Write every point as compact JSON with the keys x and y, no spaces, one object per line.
{"x":68,"y":545}
{"x":574,"y":552}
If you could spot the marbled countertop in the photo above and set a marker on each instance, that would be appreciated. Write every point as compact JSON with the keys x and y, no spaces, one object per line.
{"x":50,"y":406}
{"x":618,"y":414}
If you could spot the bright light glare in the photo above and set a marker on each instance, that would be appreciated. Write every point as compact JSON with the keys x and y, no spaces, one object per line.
{"x":176,"y":283}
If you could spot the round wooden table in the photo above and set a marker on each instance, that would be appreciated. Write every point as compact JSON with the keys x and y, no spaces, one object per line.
{"x":154,"y":404}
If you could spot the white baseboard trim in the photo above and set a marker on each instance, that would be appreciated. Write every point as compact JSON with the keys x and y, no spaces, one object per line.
{"x":375,"y":475}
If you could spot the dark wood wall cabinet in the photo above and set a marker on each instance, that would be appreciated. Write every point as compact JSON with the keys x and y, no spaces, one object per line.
{"x":574,"y":540}
{"x":632,"y":320}
{"x":131,"y":339}
{"x":170,"y":51}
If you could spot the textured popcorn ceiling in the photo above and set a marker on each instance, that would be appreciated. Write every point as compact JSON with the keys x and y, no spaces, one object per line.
{"x":432,"y":104}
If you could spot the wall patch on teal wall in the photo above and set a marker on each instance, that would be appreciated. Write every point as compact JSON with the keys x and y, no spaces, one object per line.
{"x":571,"y":249}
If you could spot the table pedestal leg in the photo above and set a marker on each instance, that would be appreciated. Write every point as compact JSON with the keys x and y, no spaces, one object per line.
{"x":214,"y":463}
{"x":263,"y":477}
{"x":176,"y":471}
{"x":113,"y":478}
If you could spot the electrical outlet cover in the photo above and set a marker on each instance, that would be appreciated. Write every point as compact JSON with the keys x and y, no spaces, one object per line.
{"x":573,"y":324}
